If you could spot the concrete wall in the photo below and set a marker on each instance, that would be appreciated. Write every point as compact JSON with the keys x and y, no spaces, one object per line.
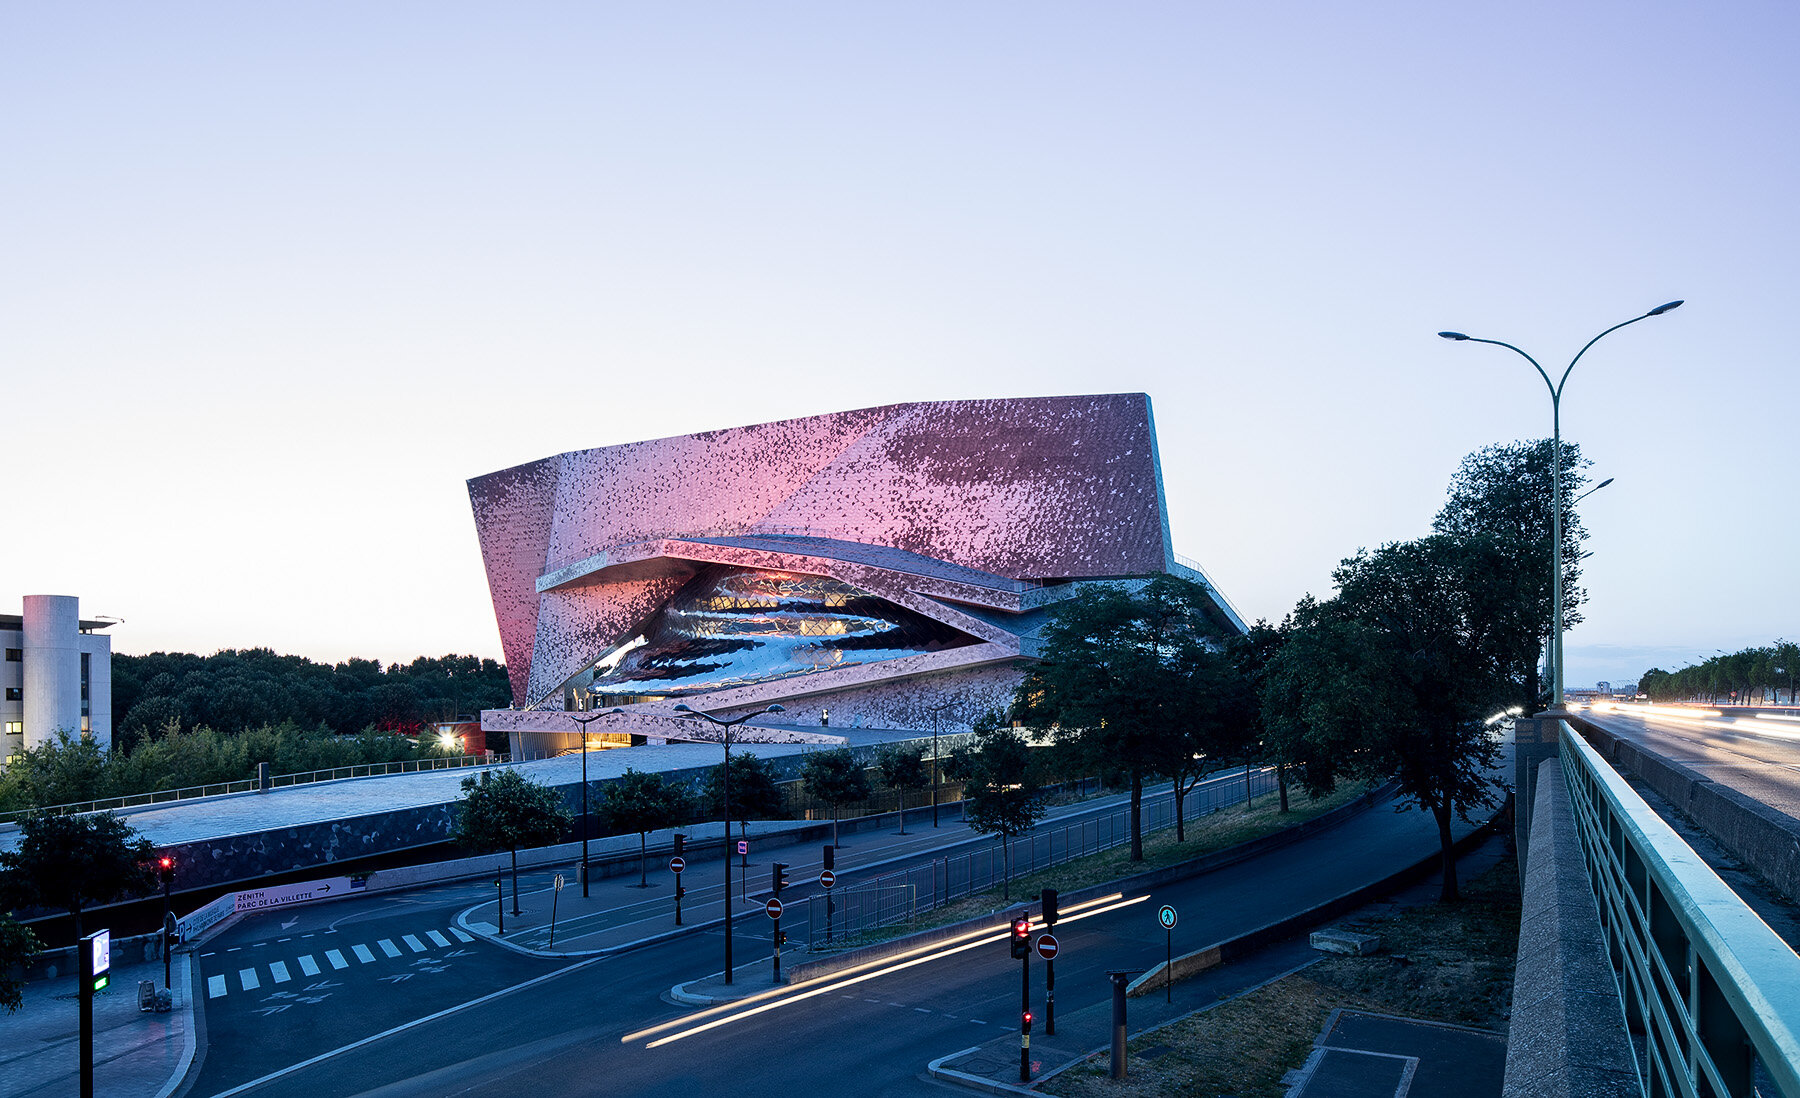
{"x":52,"y":667}
{"x":1567,"y":1038}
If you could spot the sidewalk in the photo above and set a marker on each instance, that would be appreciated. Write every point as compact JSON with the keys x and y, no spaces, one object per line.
{"x":136,"y":1054}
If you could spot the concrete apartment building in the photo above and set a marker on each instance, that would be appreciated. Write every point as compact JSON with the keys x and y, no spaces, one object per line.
{"x":56,"y":675}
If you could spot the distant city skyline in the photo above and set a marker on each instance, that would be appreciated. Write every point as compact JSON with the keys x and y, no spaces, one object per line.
{"x":280,"y":280}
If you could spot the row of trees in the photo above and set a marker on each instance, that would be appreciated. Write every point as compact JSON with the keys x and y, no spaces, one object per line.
{"x":1395,"y":675}
{"x":237,"y":689}
{"x":1769,"y":673}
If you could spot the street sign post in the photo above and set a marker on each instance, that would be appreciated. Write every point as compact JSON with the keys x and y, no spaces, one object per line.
{"x":772,"y":908}
{"x":676,"y":865}
{"x":1165,"y":915}
{"x":743,"y":854}
{"x":94,"y":963}
{"x":555,"y":896}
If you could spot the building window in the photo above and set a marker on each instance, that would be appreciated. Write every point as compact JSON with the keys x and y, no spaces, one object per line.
{"x":84,"y":691}
{"x":14,"y":655}
{"x":14,"y":694}
{"x":15,"y":728}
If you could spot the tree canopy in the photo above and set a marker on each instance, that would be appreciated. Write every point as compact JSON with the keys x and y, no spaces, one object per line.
{"x":69,"y":862}
{"x":836,"y":778}
{"x":506,"y":812}
{"x":901,"y":769}
{"x":1132,"y":683}
{"x":1397,"y":673}
{"x":642,"y":802}
{"x":755,"y":794}
{"x":1001,"y":792}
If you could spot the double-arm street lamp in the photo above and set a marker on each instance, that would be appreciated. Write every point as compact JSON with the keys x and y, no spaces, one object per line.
{"x":1556,"y":391}
{"x":725,"y":802}
{"x":935,"y":711}
{"x":584,"y":722}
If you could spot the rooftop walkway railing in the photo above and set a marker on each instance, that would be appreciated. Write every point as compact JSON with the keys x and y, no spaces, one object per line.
{"x":1710,"y":993}
{"x":251,"y":785}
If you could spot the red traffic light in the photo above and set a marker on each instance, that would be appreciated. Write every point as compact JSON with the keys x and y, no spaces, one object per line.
{"x":1026,"y":1018}
{"x":166,"y":862}
{"x":1019,"y":942}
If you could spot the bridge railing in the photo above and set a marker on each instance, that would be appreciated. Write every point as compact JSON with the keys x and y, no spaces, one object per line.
{"x":1711,"y":991}
{"x":251,"y":785}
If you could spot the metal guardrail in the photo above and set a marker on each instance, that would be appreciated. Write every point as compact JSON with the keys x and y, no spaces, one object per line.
{"x":251,"y":785}
{"x":1710,"y":992}
{"x":897,"y":897}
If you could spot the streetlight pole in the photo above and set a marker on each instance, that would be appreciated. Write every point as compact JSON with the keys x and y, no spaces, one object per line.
{"x":1556,"y":487}
{"x":934,"y":710}
{"x":584,"y":722}
{"x":725,"y":802}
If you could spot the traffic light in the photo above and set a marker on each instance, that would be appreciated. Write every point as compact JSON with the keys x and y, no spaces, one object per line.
{"x":1021,"y":936}
{"x":1048,"y":896}
{"x":680,"y":841}
{"x":830,"y":856}
{"x":780,"y":938}
{"x":165,"y":869}
{"x":1025,"y":1022}
{"x":780,"y":878}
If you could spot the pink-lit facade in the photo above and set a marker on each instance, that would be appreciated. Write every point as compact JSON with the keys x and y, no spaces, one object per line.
{"x":963,"y":518}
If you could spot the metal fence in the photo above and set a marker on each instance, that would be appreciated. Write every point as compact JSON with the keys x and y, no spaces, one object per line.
{"x":1708,"y":990}
{"x":251,"y":785}
{"x":897,"y":897}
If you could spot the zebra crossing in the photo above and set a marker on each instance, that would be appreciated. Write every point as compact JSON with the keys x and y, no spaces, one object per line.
{"x":281,"y":971}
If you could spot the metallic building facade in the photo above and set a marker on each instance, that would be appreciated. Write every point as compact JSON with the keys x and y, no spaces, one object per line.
{"x":873,"y":565}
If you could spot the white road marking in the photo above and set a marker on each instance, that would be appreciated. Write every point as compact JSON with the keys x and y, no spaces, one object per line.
{"x":413,"y":943}
{"x":460,"y":936}
{"x":362,"y":953}
{"x":438,"y":938}
{"x":247,"y":977}
{"x":336,"y":959}
{"x":308,"y":965}
{"x":215,"y":986}
{"x":278,"y":969}
{"x":389,"y":948}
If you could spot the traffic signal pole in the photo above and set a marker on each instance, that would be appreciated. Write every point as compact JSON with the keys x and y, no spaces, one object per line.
{"x":1025,"y":1018}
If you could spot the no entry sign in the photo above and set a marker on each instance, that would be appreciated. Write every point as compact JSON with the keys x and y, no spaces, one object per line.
{"x":676,"y":865}
{"x":772,"y":908}
{"x":827,"y":878}
{"x":1046,"y":946}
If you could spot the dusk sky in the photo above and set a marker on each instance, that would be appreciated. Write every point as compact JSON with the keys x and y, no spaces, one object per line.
{"x":278,"y":278}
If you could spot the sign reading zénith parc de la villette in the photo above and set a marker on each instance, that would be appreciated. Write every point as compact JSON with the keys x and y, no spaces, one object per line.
{"x":259,"y":898}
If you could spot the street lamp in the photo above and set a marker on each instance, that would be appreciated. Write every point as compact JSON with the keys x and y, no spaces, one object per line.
{"x":1556,"y":390}
{"x":725,"y":802}
{"x":934,"y":710}
{"x":584,"y":722}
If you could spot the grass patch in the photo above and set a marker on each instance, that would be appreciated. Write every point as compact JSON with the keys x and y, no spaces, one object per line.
{"x":1441,"y":962}
{"x":1221,"y":829}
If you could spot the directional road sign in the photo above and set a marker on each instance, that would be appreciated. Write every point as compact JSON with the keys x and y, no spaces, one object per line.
{"x":827,"y":878}
{"x":1166,"y":916}
{"x":676,"y":865}
{"x":772,"y":908}
{"x":1046,"y":946}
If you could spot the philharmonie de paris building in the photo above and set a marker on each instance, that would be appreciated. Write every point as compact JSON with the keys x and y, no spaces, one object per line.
{"x":885,"y":568}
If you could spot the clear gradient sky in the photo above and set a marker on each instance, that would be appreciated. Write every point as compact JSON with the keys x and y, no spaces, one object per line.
{"x":276,"y":279}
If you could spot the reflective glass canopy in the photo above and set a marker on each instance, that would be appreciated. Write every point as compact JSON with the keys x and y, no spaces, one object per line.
{"x":733,"y":626}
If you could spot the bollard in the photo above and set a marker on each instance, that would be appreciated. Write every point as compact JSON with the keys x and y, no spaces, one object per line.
{"x":1119,"y":982}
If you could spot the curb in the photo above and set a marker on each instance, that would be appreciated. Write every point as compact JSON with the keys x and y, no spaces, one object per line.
{"x":976,"y":1082}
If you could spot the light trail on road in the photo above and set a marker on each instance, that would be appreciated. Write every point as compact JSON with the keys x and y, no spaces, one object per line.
{"x":770,"y":1000}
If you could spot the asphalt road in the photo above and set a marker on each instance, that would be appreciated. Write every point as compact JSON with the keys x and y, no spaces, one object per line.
{"x":562,"y":1034}
{"x":1757,"y":756}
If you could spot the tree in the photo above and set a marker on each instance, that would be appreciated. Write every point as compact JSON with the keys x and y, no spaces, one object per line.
{"x":1001,"y":795}
{"x":836,"y":778}
{"x":642,"y":802}
{"x":755,"y":795}
{"x":901,"y":769}
{"x":509,"y":811}
{"x":1506,"y":492}
{"x":1119,"y":675}
{"x":1397,"y":673}
{"x":17,"y":946}
{"x":69,"y":862}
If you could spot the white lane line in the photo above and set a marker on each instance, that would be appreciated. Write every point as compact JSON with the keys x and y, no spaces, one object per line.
{"x":460,"y":936}
{"x":413,"y":943}
{"x":309,"y":966}
{"x":247,"y":977}
{"x":362,"y":953}
{"x":389,"y":948}
{"x":336,"y":959}
{"x":278,"y":969}
{"x":215,"y":986}
{"x":438,"y":938}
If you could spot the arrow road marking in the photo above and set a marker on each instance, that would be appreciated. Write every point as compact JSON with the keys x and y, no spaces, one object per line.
{"x":396,"y":977}
{"x":290,"y":923}
{"x":276,"y":1009}
{"x":322,"y":985}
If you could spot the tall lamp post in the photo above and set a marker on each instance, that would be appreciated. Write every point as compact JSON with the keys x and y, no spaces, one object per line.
{"x":725,"y":802}
{"x":584,"y":722}
{"x":935,"y":710}
{"x":1556,"y":391}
